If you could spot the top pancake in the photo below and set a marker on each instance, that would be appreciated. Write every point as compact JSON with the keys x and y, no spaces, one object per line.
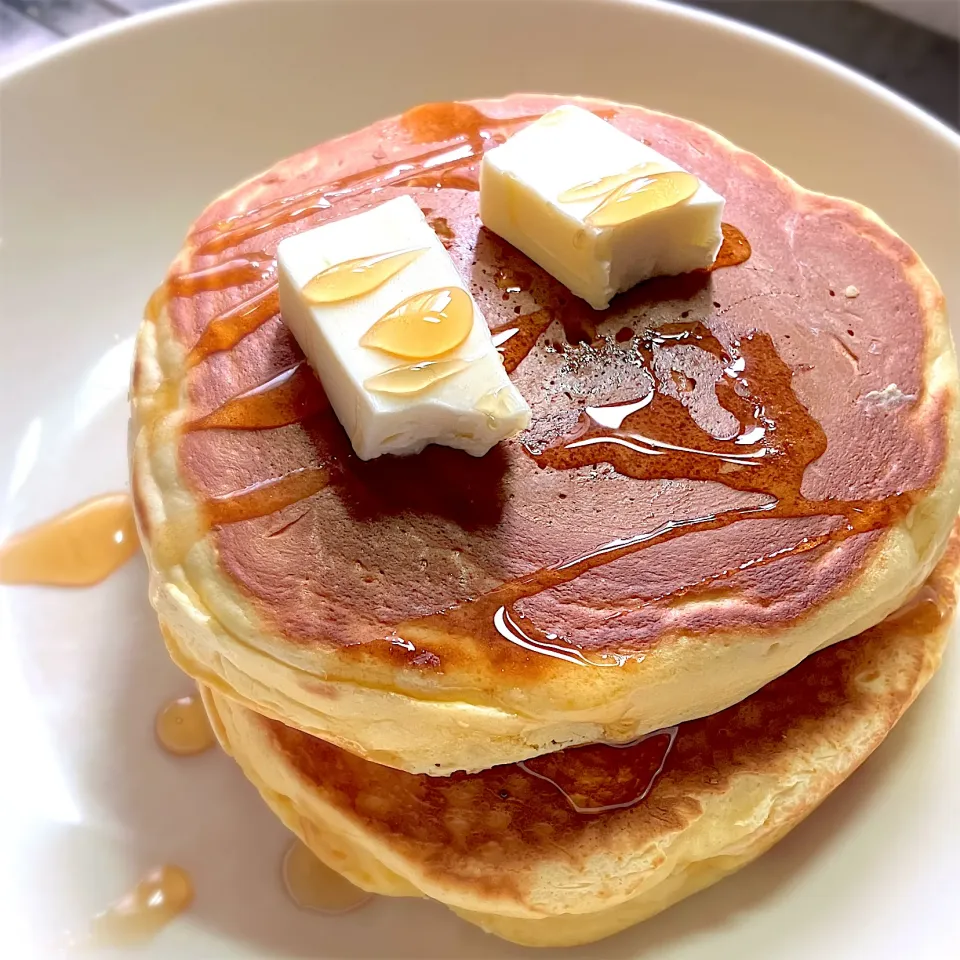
{"x":442,"y":612}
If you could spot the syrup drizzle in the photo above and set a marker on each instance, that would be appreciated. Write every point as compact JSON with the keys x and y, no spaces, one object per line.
{"x":415,"y":377}
{"x":602,"y":187}
{"x":182,"y":727}
{"x":292,"y":396}
{"x":312,"y":885}
{"x":238,"y":272}
{"x":447,"y":166}
{"x":423,"y":326}
{"x":606,"y":780}
{"x":137,"y":917}
{"x":782,"y":440}
{"x":77,"y":548}
{"x":655,"y":439}
{"x":266,"y":497}
{"x":643,"y":195}
{"x":354,"y":278}
{"x":228,"y":328}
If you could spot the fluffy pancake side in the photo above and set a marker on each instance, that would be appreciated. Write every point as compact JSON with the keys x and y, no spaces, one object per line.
{"x":508,"y":852}
{"x":242,"y":616}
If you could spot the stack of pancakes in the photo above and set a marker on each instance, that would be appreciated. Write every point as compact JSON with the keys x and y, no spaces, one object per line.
{"x":564,"y":685}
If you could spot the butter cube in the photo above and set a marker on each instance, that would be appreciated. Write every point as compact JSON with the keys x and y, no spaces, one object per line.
{"x":420,"y":377}
{"x":525,"y":188}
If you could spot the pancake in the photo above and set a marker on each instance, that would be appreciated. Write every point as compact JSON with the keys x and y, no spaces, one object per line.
{"x":783,"y":476}
{"x":507,"y":851}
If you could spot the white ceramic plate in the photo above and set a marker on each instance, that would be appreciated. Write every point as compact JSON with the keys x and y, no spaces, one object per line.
{"x":111,"y":145}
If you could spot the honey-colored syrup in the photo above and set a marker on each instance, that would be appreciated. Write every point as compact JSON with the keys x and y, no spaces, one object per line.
{"x":292,"y":396}
{"x":228,"y":328}
{"x":513,"y":281}
{"x":518,"y":337}
{"x":312,"y":885}
{"x":182,"y":726}
{"x":251,"y":268}
{"x":423,"y":326}
{"x":734,"y":250}
{"x":268,"y":496}
{"x":604,"y":186}
{"x":137,"y":917}
{"x":495,"y":404}
{"x":609,"y":776}
{"x":415,"y":377}
{"x":457,"y":148}
{"x":441,"y":227}
{"x":654,"y":437}
{"x":357,"y":277}
{"x":643,"y":195}
{"x":77,"y":548}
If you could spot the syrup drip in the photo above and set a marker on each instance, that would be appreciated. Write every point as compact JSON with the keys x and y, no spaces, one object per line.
{"x":252,"y":268}
{"x":495,"y":404}
{"x":312,"y":885}
{"x":602,"y":187}
{"x":354,"y":278}
{"x":643,"y":195}
{"x":182,"y":727}
{"x":610,"y":776}
{"x":460,"y":147}
{"x":734,"y":250}
{"x":292,"y":396}
{"x":227,"y":329}
{"x":507,"y":625}
{"x":513,"y":281}
{"x":77,"y":548}
{"x":443,"y":230}
{"x":235,"y":230}
{"x":517,"y":338}
{"x":136,"y":918}
{"x":778,"y":438}
{"x":414,"y":378}
{"x":423,"y":326}
{"x":269,"y":496}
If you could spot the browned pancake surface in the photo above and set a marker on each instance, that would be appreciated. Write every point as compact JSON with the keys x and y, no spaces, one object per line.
{"x":394,"y":540}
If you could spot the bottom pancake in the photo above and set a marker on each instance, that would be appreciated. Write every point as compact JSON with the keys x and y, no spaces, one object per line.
{"x":574,"y":846}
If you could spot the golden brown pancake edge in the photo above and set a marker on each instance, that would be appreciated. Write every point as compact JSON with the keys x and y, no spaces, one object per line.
{"x":506,"y":851}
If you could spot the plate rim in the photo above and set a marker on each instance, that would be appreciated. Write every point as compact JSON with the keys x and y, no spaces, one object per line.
{"x":22,"y":69}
